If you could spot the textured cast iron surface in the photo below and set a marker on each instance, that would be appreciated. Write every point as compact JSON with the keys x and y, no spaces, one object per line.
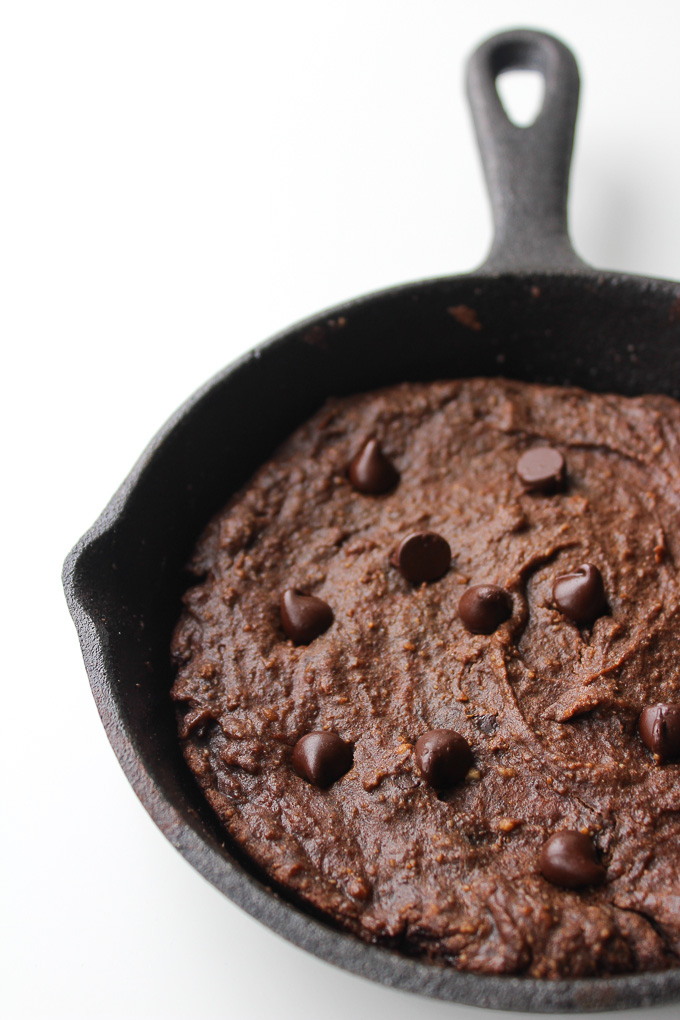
{"x":565,"y":324}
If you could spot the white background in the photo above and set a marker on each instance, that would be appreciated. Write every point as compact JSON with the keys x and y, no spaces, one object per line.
{"x":178,"y":181}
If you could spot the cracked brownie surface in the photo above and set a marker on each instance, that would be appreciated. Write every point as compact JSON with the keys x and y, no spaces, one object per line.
{"x":549,"y":708}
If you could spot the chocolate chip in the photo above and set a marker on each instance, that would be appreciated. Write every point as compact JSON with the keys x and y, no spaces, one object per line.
{"x":423,"y":556}
{"x":487,"y":723}
{"x":443,"y":757}
{"x":569,"y":859}
{"x":541,"y":470}
{"x":484,"y":607}
{"x":322,"y":757}
{"x":371,"y":472}
{"x":660,"y":730}
{"x":304,"y":617}
{"x":580,"y":595}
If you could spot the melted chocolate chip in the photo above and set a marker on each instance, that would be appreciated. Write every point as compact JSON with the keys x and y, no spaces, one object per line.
{"x":322,"y":757}
{"x":423,"y":556}
{"x":443,"y":757}
{"x":660,"y":730}
{"x":371,"y":472}
{"x":541,"y":470}
{"x":580,"y":595}
{"x":569,"y":859}
{"x":304,"y":617}
{"x":484,"y":607}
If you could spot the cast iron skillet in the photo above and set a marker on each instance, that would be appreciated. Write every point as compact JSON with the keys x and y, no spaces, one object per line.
{"x":540,"y":314}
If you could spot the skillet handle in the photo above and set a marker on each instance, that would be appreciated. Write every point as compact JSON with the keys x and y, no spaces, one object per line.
{"x":527,"y":168}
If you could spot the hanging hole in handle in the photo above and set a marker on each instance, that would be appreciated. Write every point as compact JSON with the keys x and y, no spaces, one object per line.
{"x":522,"y":93}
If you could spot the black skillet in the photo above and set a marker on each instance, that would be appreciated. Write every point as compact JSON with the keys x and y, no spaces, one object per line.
{"x":533,"y":311}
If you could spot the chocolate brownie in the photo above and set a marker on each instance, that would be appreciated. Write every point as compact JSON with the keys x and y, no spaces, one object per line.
{"x":429,"y":674}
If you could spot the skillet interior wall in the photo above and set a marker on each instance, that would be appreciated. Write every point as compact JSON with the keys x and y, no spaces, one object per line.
{"x":603,"y":333}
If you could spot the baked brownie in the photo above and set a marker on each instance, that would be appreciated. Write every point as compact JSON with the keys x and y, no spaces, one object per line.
{"x":429,"y":675}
